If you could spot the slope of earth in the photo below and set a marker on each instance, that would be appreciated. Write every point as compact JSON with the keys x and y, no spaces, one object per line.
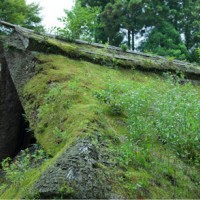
{"x":102,"y":131}
{"x":85,"y":138}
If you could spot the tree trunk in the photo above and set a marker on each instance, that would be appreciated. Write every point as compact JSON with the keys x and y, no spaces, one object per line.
{"x":129,"y":39}
{"x":187,"y":37}
{"x":133,"y":39}
{"x":186,"y":28}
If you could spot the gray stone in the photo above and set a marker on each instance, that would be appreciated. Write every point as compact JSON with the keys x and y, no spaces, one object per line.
{"x":77,"y":168}
{"x":12,"y":125}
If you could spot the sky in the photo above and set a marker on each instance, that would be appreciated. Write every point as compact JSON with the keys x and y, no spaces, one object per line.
{"x":52,"y":9}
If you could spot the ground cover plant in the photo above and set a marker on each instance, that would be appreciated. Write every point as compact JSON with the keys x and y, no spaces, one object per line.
{"x":163,"y":128}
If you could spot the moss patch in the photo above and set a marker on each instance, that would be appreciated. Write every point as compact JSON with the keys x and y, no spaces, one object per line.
{"x":60,"y":99}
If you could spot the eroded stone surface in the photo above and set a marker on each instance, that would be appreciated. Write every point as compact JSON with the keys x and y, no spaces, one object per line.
{"x":80,"y":168}
{"x":12,"y":125}
{"x":21,"y":62}
{"x":11,"y":119}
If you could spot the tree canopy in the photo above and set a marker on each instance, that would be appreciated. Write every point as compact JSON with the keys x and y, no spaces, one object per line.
{"x":169,"y":27}
{"x":165,"y":41}
{"x":80,"y":23}
{"x":21,"y":13}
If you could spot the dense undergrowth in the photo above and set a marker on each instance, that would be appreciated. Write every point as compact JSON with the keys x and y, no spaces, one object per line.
{"x":151,"y":124}
{"x":163,"y":131}
{"x":169,"y":114}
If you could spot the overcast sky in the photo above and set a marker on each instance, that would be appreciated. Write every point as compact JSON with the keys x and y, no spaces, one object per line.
{"x":52,"y":9}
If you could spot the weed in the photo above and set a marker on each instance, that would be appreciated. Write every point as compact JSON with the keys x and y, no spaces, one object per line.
{"x":15,"y":169}
{"x":170,"y":59}
{"x":66,"y":191}
{"x":59,"y":134}
{"x":166,"y":118}
{"x":3,"y":187}
{"x":106,"y":46}
{"x":124,"y":47}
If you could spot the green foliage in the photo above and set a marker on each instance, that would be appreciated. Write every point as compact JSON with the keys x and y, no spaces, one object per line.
{"x":163,"y":133}
{"x":59,"y":133}
{"x":66,"y":191}
{"x":171,"y":117}
{"x":198,"y":52}
{"x":169,"y":22}
{"x":109,"y":97}
{"x":165,"y":41}
{"x":106,"y":46}
{"x":80,"y":23}
{"x":124,"y":47}
{"x":3,"y":187}
{"x":99,"y":3}
{"x":80,"y":99}
{"x":119,"y":15}
{"x":110,"y":18}
{"x":15,"y":169}
{"x":20,"y":13}
{"x":194,"y":55}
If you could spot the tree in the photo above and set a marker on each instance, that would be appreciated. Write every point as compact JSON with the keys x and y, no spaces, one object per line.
{"x":95,"y":3}
{"x":190,"y":22}
{"x":155,"y":12}
{"x":80,"y":22}
{"x":164,"y":40}
{"x":184,"y":15}
{"x":18,"y":12}
{"x":123,"y":14}
{"x":111,"y":21}
{"x":33,"y":18}
{"x":172,"y":27}
{"x":174,"y":13}
{"x":133,"y":21}
{"x":100,"y":33}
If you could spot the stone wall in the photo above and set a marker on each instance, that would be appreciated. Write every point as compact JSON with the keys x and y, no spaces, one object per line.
{"x":13,"y":136}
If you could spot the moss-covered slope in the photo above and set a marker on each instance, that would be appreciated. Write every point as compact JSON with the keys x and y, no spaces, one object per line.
{"x":84,"y":137}
{"x":95,"y":120}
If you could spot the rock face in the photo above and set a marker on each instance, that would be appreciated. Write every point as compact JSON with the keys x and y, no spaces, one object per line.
{"x":12,"y":125}
{"x":80,"y":168}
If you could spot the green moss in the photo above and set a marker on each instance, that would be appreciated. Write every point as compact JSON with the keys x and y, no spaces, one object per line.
{"x":66,"y":191}
{"x":105,"y":56}
{"x":61,"y":106}
{"x":62,"y":94}
{"x":75,"y":99}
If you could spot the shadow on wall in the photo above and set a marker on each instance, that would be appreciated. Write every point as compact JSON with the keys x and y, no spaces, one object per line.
{"x":13,"y":127}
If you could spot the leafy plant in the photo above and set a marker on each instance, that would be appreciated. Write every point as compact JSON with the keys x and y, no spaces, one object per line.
{"x":106,"y":46}
{"x":3,"y":187}
{"x":59,"y":134}
{"x":124,"y":47}
{"x":170,"y":117}
{"x":110,"y":98}
{"x":15,"y":169}
{"x":66,"y":191}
